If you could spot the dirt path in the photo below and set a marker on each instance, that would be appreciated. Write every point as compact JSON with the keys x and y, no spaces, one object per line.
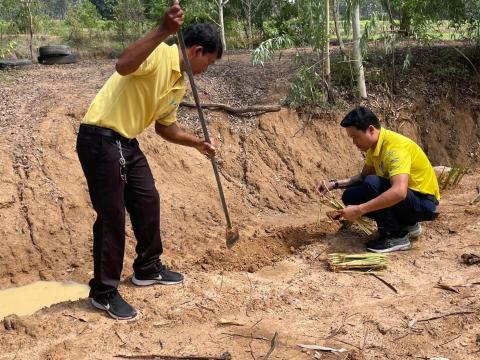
{"x":275,"y":280}
{"x":297,"y":297}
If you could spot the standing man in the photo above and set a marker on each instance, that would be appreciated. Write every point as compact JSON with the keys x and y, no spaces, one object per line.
{"x":397,"y":186}
{"x":147,"y":87}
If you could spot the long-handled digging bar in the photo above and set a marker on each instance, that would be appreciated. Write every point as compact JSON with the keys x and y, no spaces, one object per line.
{"x":232,"y":235}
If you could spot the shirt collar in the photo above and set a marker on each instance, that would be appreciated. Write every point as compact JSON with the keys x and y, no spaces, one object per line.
{"x":379,"y":145}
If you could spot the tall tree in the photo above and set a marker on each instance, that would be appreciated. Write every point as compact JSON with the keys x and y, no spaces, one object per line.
{"x":27,"y":6}
{"x":326,"y":47}
{"x":336,"y":20}
{"x":221,"y":5}
{"x":357,"y":52}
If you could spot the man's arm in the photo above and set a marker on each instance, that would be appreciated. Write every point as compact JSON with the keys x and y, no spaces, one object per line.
{"x":176,"y":135}
{"x":344,"y":183}
{"x":135,"y":54}
{"x":396,"y":193}
{"x":367,"y":170}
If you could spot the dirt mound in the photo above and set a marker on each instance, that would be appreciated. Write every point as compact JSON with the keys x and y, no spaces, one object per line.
{"x":256,"y":252}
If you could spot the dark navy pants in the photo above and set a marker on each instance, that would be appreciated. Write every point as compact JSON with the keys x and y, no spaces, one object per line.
{"x":415,"y":208}
{"x":110,"y":196}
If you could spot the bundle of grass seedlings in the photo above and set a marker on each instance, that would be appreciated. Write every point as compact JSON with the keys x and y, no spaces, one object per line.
{"x":451,"y":177}
{"x":362,"y":223}
{"x":367,"y":262}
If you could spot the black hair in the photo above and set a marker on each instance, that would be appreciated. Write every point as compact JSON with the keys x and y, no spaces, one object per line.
{"x":361,"y":118}
{"x":205,"y":35}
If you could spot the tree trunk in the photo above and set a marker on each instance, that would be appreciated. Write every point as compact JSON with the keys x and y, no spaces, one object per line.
{"x":337,"y":27}
{"x":249,"y":27}
{"x":29,"y":8}
{"x":221,"y":4}
{"x":388,"y":8}
{"x":357,"y":52}
{"x":405,"y":23}
{"x":326,"y":48}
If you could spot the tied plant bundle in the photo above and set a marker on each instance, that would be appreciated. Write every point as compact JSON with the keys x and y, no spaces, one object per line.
{"x":329,"y":199}
{"x":367,"y":262}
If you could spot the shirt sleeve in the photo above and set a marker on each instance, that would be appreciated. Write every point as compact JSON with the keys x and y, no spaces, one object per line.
{"x":169,"y":119}
{"x":398,"y":161}
{"x":151,"y":63}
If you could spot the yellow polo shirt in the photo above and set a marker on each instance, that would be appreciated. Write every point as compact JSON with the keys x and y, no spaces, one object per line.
{"x":129,"y":104}
{"x":396,"y":154}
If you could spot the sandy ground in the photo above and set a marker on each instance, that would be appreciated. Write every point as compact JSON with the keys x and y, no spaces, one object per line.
{"x":276,"y":280}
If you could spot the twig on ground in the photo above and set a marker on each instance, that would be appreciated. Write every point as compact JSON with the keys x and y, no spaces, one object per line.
{"x":449,"y":341}
{"x":273,"y":345}
{"x":248,"y":337}
{"x":224,"y":356}
{"x":442,"y":285}
{"x":345,"y":342}
{"x":447,"y":315}
{"x":390,"y":286}
{"x":118,"y":335}
{"x":258,"y":322}
{"x":74,"y":317}
{"x":364,"y":338}
{"x":251,"y":350}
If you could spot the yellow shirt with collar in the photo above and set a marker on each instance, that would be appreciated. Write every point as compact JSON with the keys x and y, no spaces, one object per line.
{"x":396,"y":154}
{"x":129,"y":104}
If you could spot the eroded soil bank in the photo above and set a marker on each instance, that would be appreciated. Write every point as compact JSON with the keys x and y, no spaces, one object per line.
{"x":275,"y":279}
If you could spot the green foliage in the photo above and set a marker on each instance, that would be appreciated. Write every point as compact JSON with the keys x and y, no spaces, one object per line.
{"x":264,"y":52}
{"x":83,"y":16}
{"x":129,"y":19}
{"x":7,"y":49}
{"x":453,"y":176}
{"x":307,"y":87}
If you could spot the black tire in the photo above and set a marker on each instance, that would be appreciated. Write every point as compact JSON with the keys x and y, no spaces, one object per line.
{"x":58,"y":60}
{"x":14,"y":63}
{"x":54,"y":50}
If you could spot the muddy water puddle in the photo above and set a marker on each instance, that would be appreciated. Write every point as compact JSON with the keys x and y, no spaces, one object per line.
{"x":25,"y":300}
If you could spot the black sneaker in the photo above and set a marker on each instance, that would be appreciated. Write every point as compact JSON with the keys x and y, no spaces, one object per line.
{"x":115,"y":306}
{"x":378,"y":237}
{"x":390,"y":243}
{"x":414,"y":231}
{"x":164,"y":277}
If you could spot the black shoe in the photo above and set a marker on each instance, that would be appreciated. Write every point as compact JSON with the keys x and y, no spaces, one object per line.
{"x":390,"y":243}
{"x":378,"y":237}
{"x":164,"y":277}
{"x":115,"y":306}
{"x":414,"y":231}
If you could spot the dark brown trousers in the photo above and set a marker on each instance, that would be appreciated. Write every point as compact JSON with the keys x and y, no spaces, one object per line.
{"x":99,"y":156}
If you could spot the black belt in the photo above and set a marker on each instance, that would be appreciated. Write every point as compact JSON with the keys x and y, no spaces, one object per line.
{"x":92,"y":129}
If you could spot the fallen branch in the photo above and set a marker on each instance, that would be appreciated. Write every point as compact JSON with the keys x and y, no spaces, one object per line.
{"x":449,"y":341}
{"x":390,"y":286}
{"x":446,"y":315}
{"x":224,"y":356}
{"x":322,"y":348}
{"x":442,"y":285}
{"x":247,"y":337}
{"x":233,"y":110}
{"x":273,"y":345}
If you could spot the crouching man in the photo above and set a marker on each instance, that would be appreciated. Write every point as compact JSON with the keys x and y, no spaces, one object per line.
{"x":397,"y":186}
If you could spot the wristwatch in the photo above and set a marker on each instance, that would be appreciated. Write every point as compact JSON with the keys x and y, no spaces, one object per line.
{"x":335,"y":181}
